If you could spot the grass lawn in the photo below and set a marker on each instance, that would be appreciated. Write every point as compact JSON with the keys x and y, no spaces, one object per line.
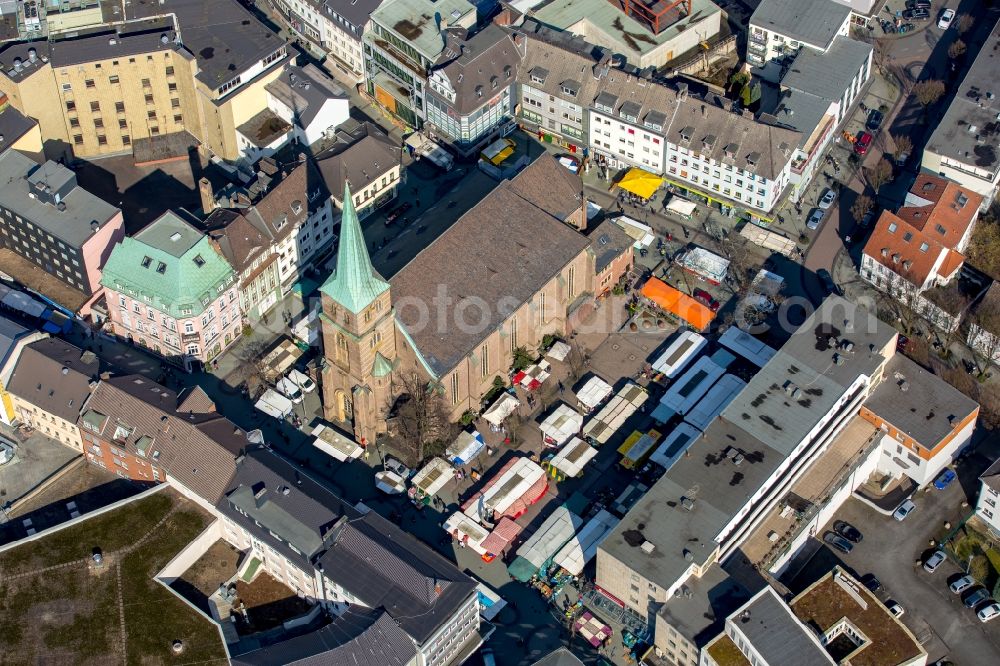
{"x":985,"y":556}
{"x":71,"y":614}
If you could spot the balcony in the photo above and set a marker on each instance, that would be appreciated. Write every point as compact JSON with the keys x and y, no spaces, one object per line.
{"x":755,"y":59}
{"x":756,"y":38}
{"x":757,"y":47}
{"x":191,"y":337}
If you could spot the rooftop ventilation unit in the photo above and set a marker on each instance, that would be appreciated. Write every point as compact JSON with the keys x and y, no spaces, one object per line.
{"x":647,"y":547}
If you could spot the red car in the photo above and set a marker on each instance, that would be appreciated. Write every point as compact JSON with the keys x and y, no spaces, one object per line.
{"x":863,"y":142}
{"x":707,"y":299}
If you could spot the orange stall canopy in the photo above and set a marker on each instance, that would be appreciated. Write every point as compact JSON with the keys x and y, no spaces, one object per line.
{"x":694,"y":313}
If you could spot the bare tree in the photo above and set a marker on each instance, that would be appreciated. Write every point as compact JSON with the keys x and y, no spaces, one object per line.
{"x":252,"y":370}
{"x":879,"y":175}
{"x":903,"y":145}
{"x":862,"y":206}
{"x":964,"y":23}
{"x":986,"y":345}
{"x":419,"y":425}
{"x":984,"y":249}
{"x":929,"y":91}
{"x":881,"y":52}
{"x":956,"y":49}
{"x":743,"y":265}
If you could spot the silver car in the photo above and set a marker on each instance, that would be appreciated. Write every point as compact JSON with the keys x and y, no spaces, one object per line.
{"x":936,"y":559}
{"x":904,"y":509}
{"x":815,"y":219}
{"x":829,"y":196}
{"x":962,"y":584}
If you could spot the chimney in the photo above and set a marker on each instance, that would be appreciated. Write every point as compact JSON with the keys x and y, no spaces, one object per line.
{"x":207,"y":196}
{"x":519,"y":39}
{"x":504,"y":18}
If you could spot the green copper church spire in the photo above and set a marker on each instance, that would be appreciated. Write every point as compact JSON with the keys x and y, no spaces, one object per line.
{"x":354,"y":283}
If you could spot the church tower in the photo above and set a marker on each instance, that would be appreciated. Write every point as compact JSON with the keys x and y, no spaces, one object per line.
{"x":359,"y":341}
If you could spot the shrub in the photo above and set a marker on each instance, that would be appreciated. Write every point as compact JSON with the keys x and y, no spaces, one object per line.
{"x":979,"y":568}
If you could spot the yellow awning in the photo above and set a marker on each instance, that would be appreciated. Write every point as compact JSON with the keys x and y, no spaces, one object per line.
{"x":640,"y":182}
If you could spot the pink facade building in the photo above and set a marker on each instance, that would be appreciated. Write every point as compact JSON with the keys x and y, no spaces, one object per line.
{"x":169,"y":290}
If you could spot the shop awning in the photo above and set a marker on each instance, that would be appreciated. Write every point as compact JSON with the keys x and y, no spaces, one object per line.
{"x":560,"y":425}
{"x":640,"y":182}
{"x":678,"y":303}
{"x":505,"y":405}
{"x":434,"y":476}
{"x":682,"y":207}
{"x":593,"y":393}
{"x":572,"y":458}
{"x":559,"y":351}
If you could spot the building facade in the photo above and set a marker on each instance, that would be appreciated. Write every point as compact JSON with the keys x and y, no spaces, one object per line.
{"x":170,"y":291}
{"x":48,"y":384}
{"x":50,"y":220}
{"x":989,"y":495}
{"x":371,"y":165}
{"x":779,"y":29}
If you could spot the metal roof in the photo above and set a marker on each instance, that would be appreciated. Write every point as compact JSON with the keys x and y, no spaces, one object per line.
{"x":814,"y":22}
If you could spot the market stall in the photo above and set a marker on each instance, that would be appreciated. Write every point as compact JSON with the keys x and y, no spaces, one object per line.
{"x":490,"y":603}
{"x":504,"y":406}
{"x":680,"y":352}
{"x":335,"y":444}
{"x":532,"y":377}
{"x":593,"y":392}
{"x":517,"y":485}
{"x":637,"y":448}
{"x":582,"y":548}
{"x":572,"y":457}
{"x":432,"y":477}
{"x":640,"y":182}
{"x":465,"y":530}
{"x":560,"y":425}
{"x":503,"y":535}
{"x":641,"y":233}
{"x":535,"y":553}
{"x":594,"y":631}
{"x":682,"y":207}
{"x":558,"y":351}
{"x":465,"y":447}
{"x":613,"y":415}
{"x":389,"y":482}
{"x":676,"y":302}
{"x":707,"y":265}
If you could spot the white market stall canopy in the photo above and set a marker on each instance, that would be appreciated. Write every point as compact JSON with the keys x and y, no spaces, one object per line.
{"x":433,"y":476}
{"x":559,"y":351}
{"x":680,"y":352}
{"x":518,"y":484}
{"x":687,"y":390}
{"x":742,"y":343}
{"x":333,"y":443}
{"x":579,"y":550}
{"x":572,"y":458}
{"x":682,"y":207}
{"x":550,"y":537}
{"x":641,"y":233}
{"x":768,"y":239}
{"x":533,"y":376}
{"x":465,"y":447}
{"x":707,"y":264}
{"x":613,"y":415}
{"x":560,"y":425}
{"x":593,"y":393}
{"x":505,"y":405}
{"x":389,"y":482}
{"x":465,"y":529}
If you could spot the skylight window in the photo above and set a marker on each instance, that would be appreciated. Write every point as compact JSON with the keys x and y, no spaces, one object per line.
{"x":892,"y":227}
{"x":161,"y":268}
{"x":199,"y":260}
{"x":146,"y":261}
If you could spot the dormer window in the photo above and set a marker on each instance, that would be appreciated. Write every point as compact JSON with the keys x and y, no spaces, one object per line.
{"x":654,"y":120}
{"x":892,"y":227}
{"x":569,"y":87}
{"x":297,"y":205}
{"x":161,"y":268}
{"x":198,"y":260}
{"x":606,"y":102}
{"x":494,"y":82}
{"x":708,"y":143}
{"x":538,"y":75}
{"x":686,"y":133}
{"x":507,"y":71}
{"x":630,"y":111}
{"x":730,"y":150}
{"x":753,"y":159}
{"x":146,"y":261}
{"x":122,"y":432}
{"x":479,"y":91}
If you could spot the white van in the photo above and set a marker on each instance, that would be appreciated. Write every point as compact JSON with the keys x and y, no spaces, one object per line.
{"x":302,"y":380}
{"x":289,"y":389}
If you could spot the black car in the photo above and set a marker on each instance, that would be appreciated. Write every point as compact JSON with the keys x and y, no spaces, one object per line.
{"x":875,"y":118}
{"x":848,"y":531}
{"x":838,"y":542}
{"x":829,"y":286}
{"x":871,"y":582}
{"x":918,"y":4}
{"x":917,"y":15}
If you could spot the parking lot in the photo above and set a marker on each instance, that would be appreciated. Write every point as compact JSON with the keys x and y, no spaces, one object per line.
{"x":890,"y":550}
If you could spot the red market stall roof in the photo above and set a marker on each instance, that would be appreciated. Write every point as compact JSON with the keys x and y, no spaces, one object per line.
{"x":697,"y":315}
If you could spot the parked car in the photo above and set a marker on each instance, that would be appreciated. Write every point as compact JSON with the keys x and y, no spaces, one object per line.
{"x":707,"y":299}
{"x":289,"y":389}
{"x":863,"y":143}
{"x":895,"y":608}
{"x":901,"y":342}
{"x":815,"y":218}
{"x":947,"y":16}
{"x":848,"y":531}
{"x":918,"y":4}
{"x":396,"y":212}
{"x":904,"y":509}
{"x":397,"y":467}
{"x":829,"y":286}
{"x":936,"y":559}
{"x":943,"y":479}
{"x":976,"y":597}
{"x":838,"y":542}
{"x":875,"y":118}
{"x":988,"y":612}
{"x":962,"y":584}
{"x":917,"y":15}
{"x":871,"y":582}
{"x":867,"y":220}
{"x":829,"y":196}
{"x":302,"y":380}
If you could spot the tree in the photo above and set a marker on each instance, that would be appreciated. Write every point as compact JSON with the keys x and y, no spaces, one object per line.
{"x":862,"y":205}
{"x":879,"y":175}
{"x":418,"y":419}
{"x":964,"y":23}
{"x":986,"y":345}
{"x":984,"y":248}
{"x":957,"y":49}
{"x":252,"y":371}
{"x":929,"y":91}
{"x":881,"y":51}
{"x":522,"y":359}
{"x":903,"y":145}
{"x":743,"y":265}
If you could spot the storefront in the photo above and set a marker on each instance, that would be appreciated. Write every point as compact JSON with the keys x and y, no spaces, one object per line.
{"x":726,"y":207}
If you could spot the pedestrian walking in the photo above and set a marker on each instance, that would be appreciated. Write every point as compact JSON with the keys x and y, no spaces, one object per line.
{"x":561,"y":387}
